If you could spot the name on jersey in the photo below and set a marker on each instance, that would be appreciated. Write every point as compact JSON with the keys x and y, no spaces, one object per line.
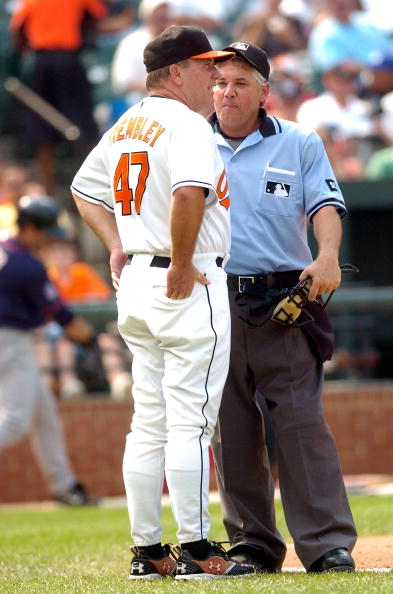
{"x":137,"y":128}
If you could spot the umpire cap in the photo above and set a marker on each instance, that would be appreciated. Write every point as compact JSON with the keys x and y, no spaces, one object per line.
{"x":254,"y":55}
{"x":42,"y":212}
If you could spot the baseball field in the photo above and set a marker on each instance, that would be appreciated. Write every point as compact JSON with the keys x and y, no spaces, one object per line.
{"x":57,"y":550}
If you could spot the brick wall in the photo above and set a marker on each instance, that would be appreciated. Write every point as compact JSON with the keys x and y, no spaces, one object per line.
{"x":360,"y":417}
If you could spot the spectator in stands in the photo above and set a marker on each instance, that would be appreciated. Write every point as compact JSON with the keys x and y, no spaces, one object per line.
{"x":340,"y":151}
{"x":206,"y":14}
{"x":128,"y":71}
{"x":13,"y":180}
{"x":378,"y":91}
{"x":339,"y":108}
{"x":288,"y":88}
{"x":54,"y":34}
{"x":344,"y":34}
{"x":386,"y":117}
{"x":380,"y":165}
{"x":270,"y":28}
{"x":78,"y":282}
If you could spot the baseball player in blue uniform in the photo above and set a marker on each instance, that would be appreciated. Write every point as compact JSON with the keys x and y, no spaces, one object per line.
{"x":154,"y":189}
{"x":27,"y":301}
{"x":280,"y":181}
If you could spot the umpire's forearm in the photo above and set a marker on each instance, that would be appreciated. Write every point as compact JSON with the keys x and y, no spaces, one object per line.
{"x":328,"y":231}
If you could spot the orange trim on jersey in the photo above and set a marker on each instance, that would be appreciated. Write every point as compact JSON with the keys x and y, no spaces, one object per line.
{"x":54,"y":24}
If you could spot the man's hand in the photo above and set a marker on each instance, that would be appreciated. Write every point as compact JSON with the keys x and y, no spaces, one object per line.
{"x":117,"y":262}
{"x":181,"y":281}
{"x":325,"y":275}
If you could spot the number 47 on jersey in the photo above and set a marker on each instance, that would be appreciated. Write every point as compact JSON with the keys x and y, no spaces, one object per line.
{"x":124,"y":193}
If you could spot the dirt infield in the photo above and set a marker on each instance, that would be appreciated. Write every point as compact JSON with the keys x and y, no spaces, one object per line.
{"x":369,"y":552}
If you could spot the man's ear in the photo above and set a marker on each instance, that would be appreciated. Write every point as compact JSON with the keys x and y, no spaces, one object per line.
{"x":264,"y":92}
{"x":176,"y":74}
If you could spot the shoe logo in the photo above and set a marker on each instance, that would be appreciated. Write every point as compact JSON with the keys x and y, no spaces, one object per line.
{"x":166,"y":566}
{"x":181,"y":567}
{"x":137,"y":567}
{"x":215,"y":566}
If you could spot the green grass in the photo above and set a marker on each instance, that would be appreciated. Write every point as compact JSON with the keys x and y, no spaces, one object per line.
{"x":83,"y":551}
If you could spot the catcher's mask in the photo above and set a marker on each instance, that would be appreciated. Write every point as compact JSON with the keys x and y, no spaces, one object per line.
{"x":290,"y":311}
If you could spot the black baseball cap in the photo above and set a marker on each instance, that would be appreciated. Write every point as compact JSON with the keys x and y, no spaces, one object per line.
{"x":177,"y":43}
{"x":253,"y":55}
{"x":42,"y":212}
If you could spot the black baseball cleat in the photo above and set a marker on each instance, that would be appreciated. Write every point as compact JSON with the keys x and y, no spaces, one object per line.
{"x":75,"y":496}
{"x":143,"y":567}
{"x":335,"y":560}
{"x":253,"y":555}
{"x":217,"y":564}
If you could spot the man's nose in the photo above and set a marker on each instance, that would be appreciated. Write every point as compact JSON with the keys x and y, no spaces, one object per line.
{"x":229,"y":90}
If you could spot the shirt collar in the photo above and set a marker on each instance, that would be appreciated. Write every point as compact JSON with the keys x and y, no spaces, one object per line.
{"x":269,"y":125}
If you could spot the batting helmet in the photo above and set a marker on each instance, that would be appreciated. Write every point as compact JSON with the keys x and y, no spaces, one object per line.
{"x":42,"y":212}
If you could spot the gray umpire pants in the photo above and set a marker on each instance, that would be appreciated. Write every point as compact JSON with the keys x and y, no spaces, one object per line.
{"x":279,"y":363}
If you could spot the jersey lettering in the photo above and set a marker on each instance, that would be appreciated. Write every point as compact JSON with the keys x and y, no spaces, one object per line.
{"x":124,"y":194}
{"x":222,"y":191}
{"x":137,"y":128}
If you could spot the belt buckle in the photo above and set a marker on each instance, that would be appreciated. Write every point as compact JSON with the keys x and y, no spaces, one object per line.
{"x":242,"y":279}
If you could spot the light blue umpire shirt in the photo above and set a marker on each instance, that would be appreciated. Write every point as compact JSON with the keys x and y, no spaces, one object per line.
{"x":279,"y":177}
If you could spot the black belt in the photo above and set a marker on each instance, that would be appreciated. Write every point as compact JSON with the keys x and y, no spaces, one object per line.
{"x":164,"y":261}
{"x":271,"y":280}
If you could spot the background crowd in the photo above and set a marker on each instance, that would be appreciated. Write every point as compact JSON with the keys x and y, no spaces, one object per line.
{"x":332,"y":70}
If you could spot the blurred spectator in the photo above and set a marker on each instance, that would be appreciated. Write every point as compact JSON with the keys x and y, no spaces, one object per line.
{"x":205,"y":14}
{"x":128,"y":71}
{"x":344,"y":34}
{"x":339,"y":108}
{"x":288,"y":87}
{"x":340,"y":151}
{"x":377,"y":89}
{"x":380,"y":165}
{"x":379,"y":13}
{"x":54,"y":34}
{"x":77,"y":282}
{"x":13,"y":180}
{"x":386,"y":117}
{"x":305,"y":11}
{"x":272,"y":29}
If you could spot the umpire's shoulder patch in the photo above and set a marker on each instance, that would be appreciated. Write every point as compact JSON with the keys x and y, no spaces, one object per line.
{"x":332,"y":185}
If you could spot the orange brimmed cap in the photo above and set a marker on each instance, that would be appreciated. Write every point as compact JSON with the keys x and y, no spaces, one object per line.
{"x":179,"y":43}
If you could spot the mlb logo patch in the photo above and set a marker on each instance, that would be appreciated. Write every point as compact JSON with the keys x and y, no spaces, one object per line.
{"x":278,"y":189}
{"x":332,"y":185}
{"x":241,"y":45}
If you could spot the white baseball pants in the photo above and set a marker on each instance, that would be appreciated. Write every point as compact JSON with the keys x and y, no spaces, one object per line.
{"x":180,"y":362}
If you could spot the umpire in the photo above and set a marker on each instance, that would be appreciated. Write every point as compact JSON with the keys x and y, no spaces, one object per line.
{"x":280,"y":180}
{"x":28,"y":300}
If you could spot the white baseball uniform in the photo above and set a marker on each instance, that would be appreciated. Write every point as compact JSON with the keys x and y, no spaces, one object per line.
{"x":180,"y":347}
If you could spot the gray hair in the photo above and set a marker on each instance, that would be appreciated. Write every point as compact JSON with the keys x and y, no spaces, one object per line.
{"x":256,"y":74}
{"x":155,"y":78}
